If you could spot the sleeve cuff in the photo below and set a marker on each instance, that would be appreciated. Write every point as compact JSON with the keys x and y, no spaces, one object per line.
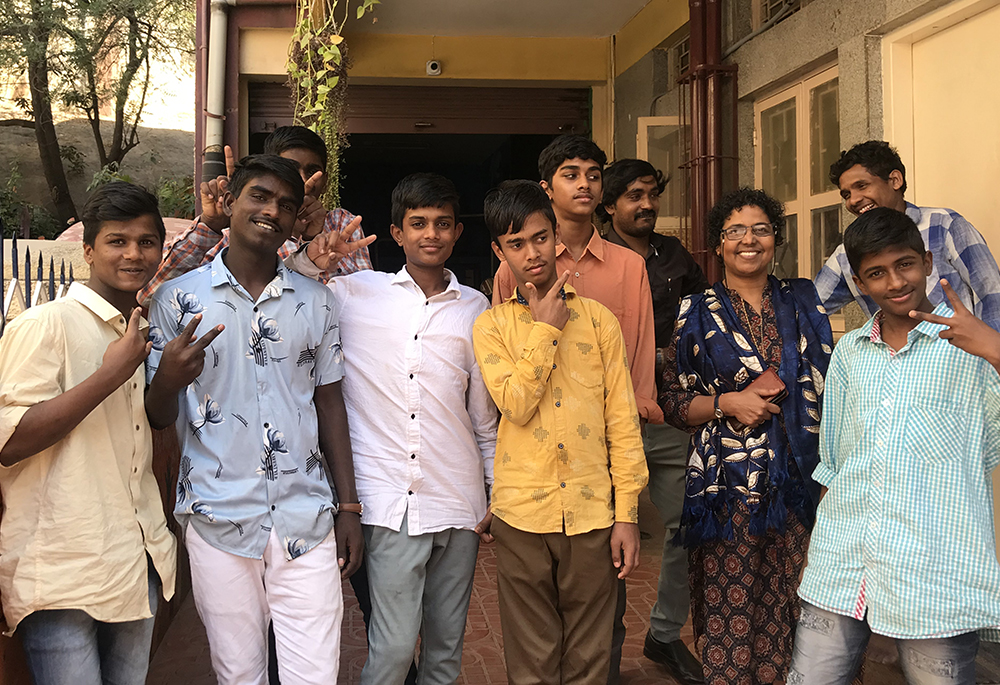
{"x":300,"y":263}
{"x":823,"y":475}
{"x":626,"y":507}
{"x":10,"y":417}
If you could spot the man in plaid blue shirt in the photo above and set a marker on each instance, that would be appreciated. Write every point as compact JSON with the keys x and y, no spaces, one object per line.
{"x":904,"y":542}
{"x":871,"y":175}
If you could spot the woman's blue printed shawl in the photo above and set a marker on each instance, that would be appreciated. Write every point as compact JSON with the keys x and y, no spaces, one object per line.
{"x":725,"y":466}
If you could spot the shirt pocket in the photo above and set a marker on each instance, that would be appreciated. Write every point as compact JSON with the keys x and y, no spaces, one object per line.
{"x":584,"y":362}
{"x":936,"y":434}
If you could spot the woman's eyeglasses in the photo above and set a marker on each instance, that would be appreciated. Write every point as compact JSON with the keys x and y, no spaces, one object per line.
{"x":737,"y":231}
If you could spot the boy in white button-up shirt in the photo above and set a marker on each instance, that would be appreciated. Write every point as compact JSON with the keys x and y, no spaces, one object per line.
{"x":423,"y":427}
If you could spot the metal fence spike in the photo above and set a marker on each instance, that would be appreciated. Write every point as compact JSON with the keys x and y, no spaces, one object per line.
{"x":62,"y":273}
{"x":27,"y":277}
{"x":52,"y":278}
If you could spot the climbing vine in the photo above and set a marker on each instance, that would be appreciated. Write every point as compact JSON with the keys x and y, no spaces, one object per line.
{"x":317,"y":77}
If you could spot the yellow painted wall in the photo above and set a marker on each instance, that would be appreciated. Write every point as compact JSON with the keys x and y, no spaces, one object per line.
{"x":466,"y":58}
{"x":647,"y":29}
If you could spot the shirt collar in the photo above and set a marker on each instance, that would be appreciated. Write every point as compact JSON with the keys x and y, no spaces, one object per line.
{"x":103,"y":309}
{"x":654,"y":242}
{"x":925,"y":328}
{"x":221,"y":276}
{"x":594,"y":247}
{"x":564,"y":292}
{"x":452,"y":290}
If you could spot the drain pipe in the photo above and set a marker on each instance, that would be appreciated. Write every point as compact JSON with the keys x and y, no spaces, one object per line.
{"x":214,"y":163}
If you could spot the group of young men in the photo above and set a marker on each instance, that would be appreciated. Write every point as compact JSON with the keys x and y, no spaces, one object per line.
{"x":337,"y":422}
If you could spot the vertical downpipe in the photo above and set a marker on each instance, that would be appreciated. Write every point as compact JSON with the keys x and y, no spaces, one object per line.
{"x":215,"y":101}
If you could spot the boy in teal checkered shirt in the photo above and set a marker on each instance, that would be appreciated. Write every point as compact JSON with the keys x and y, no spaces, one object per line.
{"x":904,"y":543}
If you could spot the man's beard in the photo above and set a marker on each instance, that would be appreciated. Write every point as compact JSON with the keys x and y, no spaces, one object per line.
{"x":636,"y":231}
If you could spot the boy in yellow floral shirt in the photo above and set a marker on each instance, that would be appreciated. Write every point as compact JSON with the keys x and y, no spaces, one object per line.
{"x":569,"y":436}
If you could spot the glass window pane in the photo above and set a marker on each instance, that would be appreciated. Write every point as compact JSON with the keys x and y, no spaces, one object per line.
{"x":778,"y":151}
{"x":665,"y":152}
{"x":825,"y":234}
{"x":786,"y":255}
{"x":824,"y":134}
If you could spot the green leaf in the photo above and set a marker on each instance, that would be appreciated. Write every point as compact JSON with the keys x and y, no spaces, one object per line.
{"x":361,"y":11}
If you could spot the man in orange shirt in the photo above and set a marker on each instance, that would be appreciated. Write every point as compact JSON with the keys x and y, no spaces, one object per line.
{"x":571,"y":168}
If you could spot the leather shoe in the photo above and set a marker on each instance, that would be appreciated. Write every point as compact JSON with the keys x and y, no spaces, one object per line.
{"x":680,"y":662}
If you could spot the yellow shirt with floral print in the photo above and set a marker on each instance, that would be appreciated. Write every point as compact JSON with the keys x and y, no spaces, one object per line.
{"x":569,"y":454}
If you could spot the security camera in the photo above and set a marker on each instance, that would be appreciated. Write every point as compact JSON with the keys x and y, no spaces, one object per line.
{"x":433,"y":68}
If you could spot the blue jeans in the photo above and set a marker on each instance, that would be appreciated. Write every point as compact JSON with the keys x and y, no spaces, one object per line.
{"x":829,"y":648}
{"x":68,"y":647}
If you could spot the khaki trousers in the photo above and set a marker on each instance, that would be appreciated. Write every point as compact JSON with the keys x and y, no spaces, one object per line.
{"x":557,"y":598}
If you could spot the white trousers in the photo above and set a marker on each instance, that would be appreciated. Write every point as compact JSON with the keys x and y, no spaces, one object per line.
{"x":236,"y":597}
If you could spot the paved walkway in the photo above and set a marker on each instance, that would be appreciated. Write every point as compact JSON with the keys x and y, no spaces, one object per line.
{"x":183,"y":659}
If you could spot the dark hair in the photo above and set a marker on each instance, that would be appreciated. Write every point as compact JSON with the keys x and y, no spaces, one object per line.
{"x":620,"y":174}
{"x":737,"y":200}
{"x":255,"y":166}
{"x":879,"y":229}
{"x":568,"y":147}
{"x":295,"y":138}
{"x":119,"y":201}
{"x":422,"y":190}
{"x":508,"y":206}
{"x":877,"y":156}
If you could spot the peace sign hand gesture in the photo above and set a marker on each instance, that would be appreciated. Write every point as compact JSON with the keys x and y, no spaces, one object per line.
{"x":124,"y":355}
{"x":965,"y":331}
{"x":327,"y":249}
{"x":550,"y":308}
{"x":184,"y":357}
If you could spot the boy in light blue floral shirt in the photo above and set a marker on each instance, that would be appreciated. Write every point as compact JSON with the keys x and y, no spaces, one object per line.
{"x":258,"y":429}
{"x":904,"y":544}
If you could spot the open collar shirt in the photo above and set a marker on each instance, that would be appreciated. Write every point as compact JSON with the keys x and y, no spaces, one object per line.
{"x":81,"y":516}
{"x":423,"y":426}
{"x":247,"y":425}
{"x":908,"y":442}
{"x":569,"y":430}
{"x":616,"y":277}
{"x":960,"y":255}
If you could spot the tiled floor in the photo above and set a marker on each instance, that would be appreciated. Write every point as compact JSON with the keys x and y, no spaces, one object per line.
{"x":182,"y":657}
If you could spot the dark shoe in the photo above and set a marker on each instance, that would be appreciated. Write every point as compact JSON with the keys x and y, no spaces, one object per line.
{"x":678,"y":659}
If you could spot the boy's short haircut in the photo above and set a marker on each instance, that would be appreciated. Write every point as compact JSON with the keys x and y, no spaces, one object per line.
{"x":620,"y":174}
{"x":255,"y":166}
{"x":737,"y":200}
{"x":879,"y":229}
{"x":568,"y":147}
{"x":877,"y":156}
{"x":295,"y":138}
{"x":422,"y":190}
{"x":508,"y":206}
{"x":119,"y":201}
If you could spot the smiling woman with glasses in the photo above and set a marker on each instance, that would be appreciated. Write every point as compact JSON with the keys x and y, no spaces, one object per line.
{"x":744,"y":375}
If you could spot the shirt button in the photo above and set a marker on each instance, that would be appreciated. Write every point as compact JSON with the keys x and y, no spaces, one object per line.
{"x":562,"y":485}
{"x":555,"y":342}
{"x":137,"y":427}
{"x":560,"y":445}
{"x":272,"y":507}
{"x":121,"y":320}
{"x":255,"y":309}
{"x":413,"y":456}
{"x":411,"y":376}
{"x":413,"y":416}
{"x":577,"y":274}
{"x":558,"y":404}
{"x":267,"y":425}
{"x":410,"y":492}
{"x":427,"y":303}
{"x":135,"y":385}
{"x":414,"y":337}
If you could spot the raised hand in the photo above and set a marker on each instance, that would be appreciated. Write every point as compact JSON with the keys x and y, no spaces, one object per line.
{"x":550,"y":308}
{"x":749,"y":407}
{"x":124,"y":355}
{"x":964,"y":330}
{"x":212,"y":214}
{"x":184,"y":357}
{"x":312,"y":213}
{"x":328,"y":248}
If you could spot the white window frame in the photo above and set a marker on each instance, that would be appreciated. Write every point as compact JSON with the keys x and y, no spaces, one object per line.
{"x":805,"y":202}
{"x":668,"y":225}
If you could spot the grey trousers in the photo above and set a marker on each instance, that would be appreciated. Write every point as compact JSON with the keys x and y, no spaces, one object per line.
{"x":666,"y":457}
{"x":420,"y":585}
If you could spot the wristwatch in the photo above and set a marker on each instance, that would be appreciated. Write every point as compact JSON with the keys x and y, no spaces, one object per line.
{"x":351,"y":507}
{"x":718,"y":410}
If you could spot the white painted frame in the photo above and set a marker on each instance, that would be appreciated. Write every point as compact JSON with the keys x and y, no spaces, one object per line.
{"x":664,"y":224}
